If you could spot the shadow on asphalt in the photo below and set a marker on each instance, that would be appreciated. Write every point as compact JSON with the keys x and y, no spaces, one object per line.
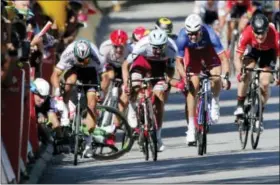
{"x":178,"y":167}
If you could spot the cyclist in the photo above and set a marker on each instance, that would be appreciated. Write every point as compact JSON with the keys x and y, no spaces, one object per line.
{"x":238,"y":9}
{"x":263,"y":41}
{"x":114,"y":52}
{"x":45,"y":109}
{"x":137,"y":34}
{"x":80,"y":61}
{"x":166,"y":24}
{"x":150,"y":58}
{"x":198,"y":42}
{"x":211,"y":12}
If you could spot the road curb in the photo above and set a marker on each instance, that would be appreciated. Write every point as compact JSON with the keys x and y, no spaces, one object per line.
{"x":40,"y":165}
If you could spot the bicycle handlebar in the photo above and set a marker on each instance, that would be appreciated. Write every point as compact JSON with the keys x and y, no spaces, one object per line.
{"x":147,"y":79}
{"x":81,"y":84}
{"x":259,"y":70}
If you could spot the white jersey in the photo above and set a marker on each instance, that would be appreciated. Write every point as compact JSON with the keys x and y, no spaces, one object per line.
{"x":68,"y":59}
{"x":202,"y":6}
{"x":144,"y":48}
{"x":108,"y":55}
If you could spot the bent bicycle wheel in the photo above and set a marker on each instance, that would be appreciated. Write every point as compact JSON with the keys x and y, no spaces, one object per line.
{"x":256,"y":115}
{"x":114,"y":145}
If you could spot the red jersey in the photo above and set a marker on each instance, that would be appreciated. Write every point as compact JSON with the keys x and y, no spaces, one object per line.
{"x":248,"y":38}
{"x":231,"y":3}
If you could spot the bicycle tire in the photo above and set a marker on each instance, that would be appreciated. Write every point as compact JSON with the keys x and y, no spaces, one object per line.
{"x":127,"y":145}
{"x":146,"y":148}
{"x":244,"y":127}
{"x":153,"y":140}
{"x":256,"y":100}
{"x":77,"y":129}
{"x":202,"y":131}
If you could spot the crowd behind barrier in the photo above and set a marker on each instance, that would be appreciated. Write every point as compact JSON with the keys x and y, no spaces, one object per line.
{"x":33,"y":35}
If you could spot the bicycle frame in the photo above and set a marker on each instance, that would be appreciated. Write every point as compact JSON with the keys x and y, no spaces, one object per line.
{"x":111,"y":100}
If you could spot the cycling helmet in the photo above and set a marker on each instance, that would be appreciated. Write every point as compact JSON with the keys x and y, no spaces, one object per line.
{"x":164,"y":24}
{"x":259,"y":23}
{"x":138,"y":33}
{"x":193,"y":23}
{"x":118,"y":37}
{"x":158,"y":37}
{"x":41,"y":87}
{"x":82,"y":50}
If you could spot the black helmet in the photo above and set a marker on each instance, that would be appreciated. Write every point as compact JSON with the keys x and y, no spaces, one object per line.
{"x":259,"y":23}
{"x":164,"y":24}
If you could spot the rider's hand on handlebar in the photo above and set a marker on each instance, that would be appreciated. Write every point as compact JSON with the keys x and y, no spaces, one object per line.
{"x":226,"y":82}
{"x":180,"y":85}
{"x":126,"y":89}
{"x":240,"y":77}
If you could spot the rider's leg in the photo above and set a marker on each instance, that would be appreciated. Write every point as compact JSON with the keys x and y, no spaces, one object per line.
{"x":123,"y":103}
{"x":159,"y":110}
{"x":216,"y":86}
{"x":242,"y":86}
{"x":71,"y":78}
{"x":191,"y":107}
{"x":90,"y":119}
{"x":106,"y":77}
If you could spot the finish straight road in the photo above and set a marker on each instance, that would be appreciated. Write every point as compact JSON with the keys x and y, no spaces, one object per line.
{"x":224,"y":162}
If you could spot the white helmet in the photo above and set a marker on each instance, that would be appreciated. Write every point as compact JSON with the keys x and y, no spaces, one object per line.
{"x":42,"y":87}
{"x":193,"y":23}
{"x":158,"y":37}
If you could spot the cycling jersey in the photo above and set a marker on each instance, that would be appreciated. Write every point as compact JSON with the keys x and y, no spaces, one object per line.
{"x":108,"y":55}
{"x":209,"y":38}
{"x":247,"y":37}
{"x":144,"y":48}
{"x":68,"y":59}
{"x":231,"y":3}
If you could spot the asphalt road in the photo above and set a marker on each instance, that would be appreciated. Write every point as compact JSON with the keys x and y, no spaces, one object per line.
{"x":225,"y":162}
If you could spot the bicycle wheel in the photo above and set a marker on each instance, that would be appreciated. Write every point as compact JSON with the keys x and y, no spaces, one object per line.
{"x":77,"y":129}
{"x":120,"y":146}
{"x":256,"y":106}
{"x":152,"y":139}
{"x":202,"y":132}
{"x":244,"y":127}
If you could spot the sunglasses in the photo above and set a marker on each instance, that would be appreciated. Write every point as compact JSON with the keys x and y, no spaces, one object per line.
{"x":160,"y":47}
{"x":193,"y":33}
{"x":118,"y":46}
{"x":85,"y":61}
{"x":42,"y":97}
{"x":259,"y":34}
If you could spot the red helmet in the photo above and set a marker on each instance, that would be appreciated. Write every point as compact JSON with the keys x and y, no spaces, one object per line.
{"x":118,"y":37}
{"x":138,"y":33}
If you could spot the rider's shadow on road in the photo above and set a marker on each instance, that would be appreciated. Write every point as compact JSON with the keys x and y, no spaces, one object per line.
{"x":177,"y":168}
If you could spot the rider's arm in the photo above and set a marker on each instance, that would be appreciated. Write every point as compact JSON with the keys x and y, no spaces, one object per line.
{"x":181,"y":43}
{"x":55,"y":77}
{"x":125,"y":73}
{"x":244,"y":40}
{"x":216,"y":42}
